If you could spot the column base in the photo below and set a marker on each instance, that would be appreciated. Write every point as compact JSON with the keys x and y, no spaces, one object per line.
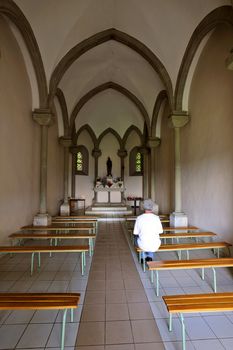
{"x":42,"y":220}
{"x":65,"y":209}
{"x":178,"y":219}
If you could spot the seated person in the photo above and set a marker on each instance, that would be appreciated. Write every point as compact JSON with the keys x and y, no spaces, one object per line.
{"x":148,"y":227}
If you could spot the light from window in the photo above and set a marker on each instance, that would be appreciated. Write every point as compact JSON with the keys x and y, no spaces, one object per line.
{"x":138,"y":165}
{"x":79,"y":161}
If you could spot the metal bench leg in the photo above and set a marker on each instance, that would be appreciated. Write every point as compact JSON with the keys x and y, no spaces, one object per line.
{"x":218,"y":252}
{"x":203,"y":273}
{"x":152,"y":276}
{"x":157,"y":283}
{"x":144,"y":262}
{"x":63,"y":329}
{"x":139,"y":257}
{"x":183,"y":332}
{"x":83,"y":263}
{"x":179,"y":254}
{"x":89,"y":240}
{"x":215,"y":284}
{"x":51,"y":243}
{"x":170,"y":322}
{"x":72,"y":315}
{"x":187,"y":254}
{"x":38,"y":260}
{"x":32,"y":263}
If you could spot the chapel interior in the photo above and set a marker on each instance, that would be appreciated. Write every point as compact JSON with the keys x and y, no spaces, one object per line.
{"x":148,"y":85}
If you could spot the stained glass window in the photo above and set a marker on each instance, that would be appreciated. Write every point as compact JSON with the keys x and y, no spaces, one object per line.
{"x":138,"y":163}
{"x":79,"y":162}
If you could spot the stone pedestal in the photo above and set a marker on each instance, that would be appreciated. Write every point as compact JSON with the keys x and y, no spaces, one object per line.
{"x":65,"y":209}
{"x":178,"y":219}
{"x":42,"y":220}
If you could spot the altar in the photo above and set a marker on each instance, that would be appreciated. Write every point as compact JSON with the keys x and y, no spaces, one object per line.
{"x":109,"y":194}
{"x":109,"y":190}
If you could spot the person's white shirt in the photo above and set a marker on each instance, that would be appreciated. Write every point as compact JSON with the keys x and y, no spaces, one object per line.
{"x":148,"y":227}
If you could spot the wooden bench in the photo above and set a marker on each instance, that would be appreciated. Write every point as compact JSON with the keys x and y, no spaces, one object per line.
{"x":180,"y":228}
{"x":196,"y":303}
{"x":42,"y":301}
{"x":75,"y":221}
{"x":178,"y":235}
{"x":186,"y":247}
{"x":47,"y":249}
{"x":54,"y":237}
{"x":188,"y":264}
{"x":59,"y":228}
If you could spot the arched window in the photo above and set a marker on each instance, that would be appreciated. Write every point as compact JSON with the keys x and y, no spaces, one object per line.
{"x":81,"y":159}
{"x":135,"y":162}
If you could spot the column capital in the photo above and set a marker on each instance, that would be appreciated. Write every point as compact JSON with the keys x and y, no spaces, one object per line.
{"x":178,"y":119}
{"x":96,"y":153}
{"x":65,"y":141}
{"x":43,"y":117}
{"x":73,"y":149}
{"x":153,"y":142}
{"x":122,"y":153}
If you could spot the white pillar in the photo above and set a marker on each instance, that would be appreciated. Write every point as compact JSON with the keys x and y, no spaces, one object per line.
{"x":153,"y":143}
{"x":65,"y":207}
{"x":178,"y":218}
{"x":44,"y":118}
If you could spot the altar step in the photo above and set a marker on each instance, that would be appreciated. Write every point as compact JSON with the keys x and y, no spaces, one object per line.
{"x":109,"y":209}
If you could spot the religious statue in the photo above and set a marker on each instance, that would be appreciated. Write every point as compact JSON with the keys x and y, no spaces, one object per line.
{"x":109,"y":167}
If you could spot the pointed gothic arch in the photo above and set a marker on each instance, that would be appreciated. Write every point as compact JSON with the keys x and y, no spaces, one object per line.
{"x":100,"y":38}
{"x":162,"y":96}
{"x":63,"y":105}
{"x":103,"y":87}
{"x":109,"y":131}
{"x":9,"y":9}
{"x":128,"y":132}
{"x":221,"y":15}
{"x":87,"y":128}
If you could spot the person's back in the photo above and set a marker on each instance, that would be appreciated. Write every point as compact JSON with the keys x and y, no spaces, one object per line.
{"x":148,"y":227}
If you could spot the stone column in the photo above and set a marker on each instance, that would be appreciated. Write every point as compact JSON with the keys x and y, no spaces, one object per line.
{"x":122,"y":153}
{"x":66,"y":143}
{"x":44,"y":118}
{"x":178,"y":218}
{"x":153,"y":143}
{"x":96,"y":153}
{"x":73,"y":151}
{"x":146,"y":187}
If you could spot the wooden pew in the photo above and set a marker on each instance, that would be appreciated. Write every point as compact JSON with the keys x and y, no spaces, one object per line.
{"x":195,"y":303}
{"x":186,"y":247}
{"x":58,"y":228}
{"x":75,"y":220}
{"x":188,"y":264}
{"x":178,"y":235}
{"x":47,"y":249}
{"x":180,"y":228}
{"x":42,"y":301}
{"x":54,"y":237}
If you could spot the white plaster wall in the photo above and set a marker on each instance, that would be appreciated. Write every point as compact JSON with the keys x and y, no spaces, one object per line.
{"x":55,"y":181}
{"x":133,"y":184}
{"x":164,"y":163}
{"x":207,"y":143}
{"x":19,"y":141}
{"x":84,"y":184}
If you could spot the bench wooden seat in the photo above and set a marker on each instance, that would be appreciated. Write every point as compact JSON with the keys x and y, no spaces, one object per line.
{"x":188,"y":264}
{"x":181,"y":228}
{"x":178,"y":235}
{"x":59,"y":228}
{"x":75,"y":217}
{"x":54,"y":237}
{"x":42,"y":301}
{"x":196,"y":303}
{"x":186,"y":247}
{"x":47,"y":249}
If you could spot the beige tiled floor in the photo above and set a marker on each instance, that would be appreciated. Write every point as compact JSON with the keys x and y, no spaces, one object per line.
{"x":119,"y":309}
{"x":116,"y":311}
